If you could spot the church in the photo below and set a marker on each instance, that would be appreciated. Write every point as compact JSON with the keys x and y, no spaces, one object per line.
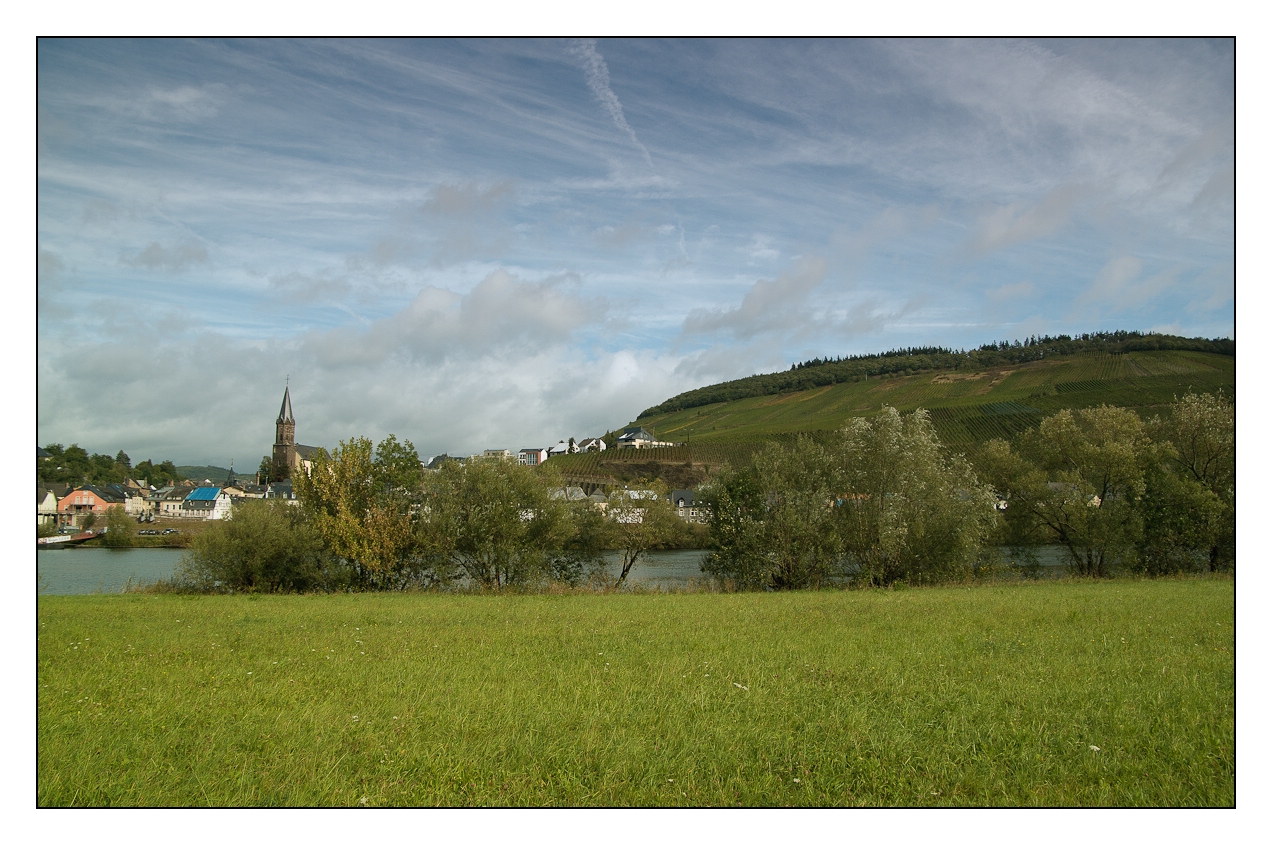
{"x":289,"y":455}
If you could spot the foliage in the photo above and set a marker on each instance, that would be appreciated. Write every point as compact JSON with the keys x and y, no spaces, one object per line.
{"x":73,"y":465}
{"x":87,"y":521}
{"x":1202,"y":428}
{"x":119,"y":528}
{"x":908,"y":509}
{"x":885,"y":503}
{"x":1080,"y":481}
{"x":265,"y":546}
{"x":45,"y":529}
{"x":494,"y":521}
{"x":265,"y":472}
{"x":638,"y":520}
{"x":354,"y":499}
{"x":772,"y":523}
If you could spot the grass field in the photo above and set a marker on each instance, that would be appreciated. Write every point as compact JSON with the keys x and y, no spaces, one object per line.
{"x":991,"y":695}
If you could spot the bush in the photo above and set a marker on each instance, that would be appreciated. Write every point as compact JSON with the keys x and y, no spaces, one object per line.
{"x":265,"y":546}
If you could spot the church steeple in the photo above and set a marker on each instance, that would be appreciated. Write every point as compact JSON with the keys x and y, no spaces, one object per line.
{"x":285,"y":412}
{"x":284,"y":439}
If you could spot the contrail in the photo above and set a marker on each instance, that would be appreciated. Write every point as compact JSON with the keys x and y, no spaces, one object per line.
{"x":597,"y":73}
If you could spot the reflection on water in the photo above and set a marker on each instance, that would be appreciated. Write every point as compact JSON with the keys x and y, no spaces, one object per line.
{"x":74,"y":571}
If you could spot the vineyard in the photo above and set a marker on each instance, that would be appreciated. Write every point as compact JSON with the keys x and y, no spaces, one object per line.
{"x":967,"y":408}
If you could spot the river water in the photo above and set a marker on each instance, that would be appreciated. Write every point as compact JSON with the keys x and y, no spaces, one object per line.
{"x":78,"y":571}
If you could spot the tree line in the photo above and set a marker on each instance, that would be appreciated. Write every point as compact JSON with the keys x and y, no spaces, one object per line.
{"x":819,"y":372}
{"x":882,"y":502}
{"x":74,"y":465}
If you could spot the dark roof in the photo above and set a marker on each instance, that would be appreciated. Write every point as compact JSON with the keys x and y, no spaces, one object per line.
{"x":307,"y":452}
{"x":105,"y":493}
{"x":635,"y":432}
{"x":40,"y":453}
{"x":41,"y":493}
{"x":285,"y":412}
{"x":687,"y":495}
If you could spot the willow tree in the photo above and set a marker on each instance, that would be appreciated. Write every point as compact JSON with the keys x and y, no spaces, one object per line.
{"x":907,"y":508}
{"x":495,"y":521}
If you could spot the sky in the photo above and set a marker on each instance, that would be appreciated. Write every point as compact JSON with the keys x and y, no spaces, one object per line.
{"x":505,"y":243}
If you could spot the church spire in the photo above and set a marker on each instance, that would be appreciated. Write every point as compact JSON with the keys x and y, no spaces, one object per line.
{"x":285,"y":412}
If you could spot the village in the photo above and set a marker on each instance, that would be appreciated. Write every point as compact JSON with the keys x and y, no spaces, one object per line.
{"x":76,"y":508}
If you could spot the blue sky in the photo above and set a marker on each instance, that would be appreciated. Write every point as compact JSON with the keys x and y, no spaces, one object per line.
{"x":503,"y":243}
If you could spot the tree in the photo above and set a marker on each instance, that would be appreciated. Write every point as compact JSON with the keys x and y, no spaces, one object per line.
{"x":1078,"y":480}
{"x":494,"y":521}
{"x":266,"y":545}
{"x":351,"y":496}
{"x":123,"y":459}
{"x":638,"y":520}
{"x":907,"y":508}
{"x":773,"y":524}
{"x":119,"y":528}
{"x":1202,"y":430}
{"x":265,"y":470}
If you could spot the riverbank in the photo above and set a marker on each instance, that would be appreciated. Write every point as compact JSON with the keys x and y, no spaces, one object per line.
{"x":1116,"y":693}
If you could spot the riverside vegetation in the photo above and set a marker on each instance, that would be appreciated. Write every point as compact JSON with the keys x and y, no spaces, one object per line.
{"x":884,"y":502}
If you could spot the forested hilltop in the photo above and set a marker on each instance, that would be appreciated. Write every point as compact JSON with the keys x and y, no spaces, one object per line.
{"x":820,"y":372}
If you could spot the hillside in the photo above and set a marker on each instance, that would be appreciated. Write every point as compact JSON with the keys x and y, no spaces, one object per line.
{"x":211,"y":473}
{"x":968,"y":406}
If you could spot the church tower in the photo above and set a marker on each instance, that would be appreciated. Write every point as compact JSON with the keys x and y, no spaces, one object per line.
{"x":284,"y":439}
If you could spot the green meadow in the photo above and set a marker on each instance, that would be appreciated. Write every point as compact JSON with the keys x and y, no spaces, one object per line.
{"x":1070,"y":693}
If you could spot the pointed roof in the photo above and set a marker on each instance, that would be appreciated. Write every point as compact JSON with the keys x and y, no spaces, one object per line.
{"x":285,"y":412}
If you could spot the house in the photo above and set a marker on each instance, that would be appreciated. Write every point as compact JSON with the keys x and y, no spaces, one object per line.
{"x":569,"y":494}
{"x":244,"y":490}
{"x":686,"y":507}
{"x":532,"y":457}
{"x":636,"y":437}
{"x":505,"y":454}
{"x":592,"y":444}
{"x":134,"y":500}
{"x":207,"y":503}
{"x":45,"y":505}
{"x":82,"y":501}
{"x":167,"y":501}
{"x":282,"y":490}
{"x":561,"y":448}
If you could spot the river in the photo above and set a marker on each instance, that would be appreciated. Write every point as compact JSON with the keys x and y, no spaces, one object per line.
{"x":79,"y":571}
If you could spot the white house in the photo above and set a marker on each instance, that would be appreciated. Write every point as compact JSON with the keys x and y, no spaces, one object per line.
{"x":592,"y":444}
{"x":561,"y":448}
{"x":532,"y":457}
{"x":636,"y":437}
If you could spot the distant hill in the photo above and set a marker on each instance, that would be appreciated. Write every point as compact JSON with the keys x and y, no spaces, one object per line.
{"x":217,"y":474}
{"x":827,"y":371}
{"x":975,"y":397}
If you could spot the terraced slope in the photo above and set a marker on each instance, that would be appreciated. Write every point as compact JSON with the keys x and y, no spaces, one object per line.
{"x":966,"y":407}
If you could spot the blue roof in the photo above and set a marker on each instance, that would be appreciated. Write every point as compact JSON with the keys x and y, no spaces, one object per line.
{"x":203,"y":494}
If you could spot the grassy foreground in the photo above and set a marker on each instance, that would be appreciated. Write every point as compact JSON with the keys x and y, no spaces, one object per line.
{"x":995,"y":695}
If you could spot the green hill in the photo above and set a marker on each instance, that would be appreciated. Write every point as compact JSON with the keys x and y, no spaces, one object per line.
{"x":969,"y":404}
{"x":211,"y":473}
